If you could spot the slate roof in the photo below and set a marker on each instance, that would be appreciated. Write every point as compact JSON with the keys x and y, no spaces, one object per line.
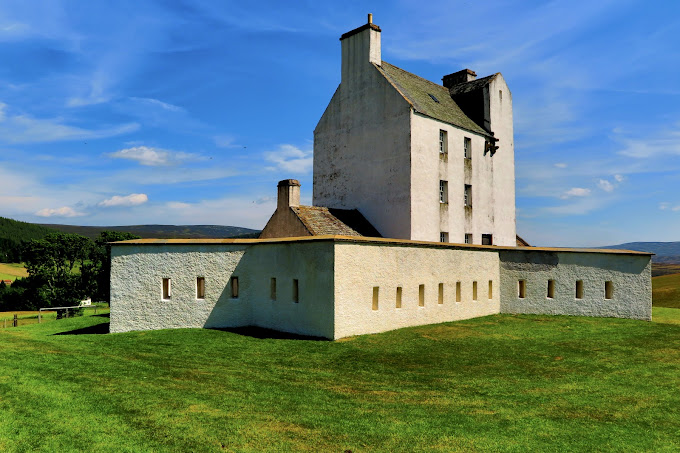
{"x":466,"y":87}
{"x":343,"y":222}
{"x":417,"y":91}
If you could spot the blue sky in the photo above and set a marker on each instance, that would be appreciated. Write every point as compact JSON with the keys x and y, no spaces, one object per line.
{"x":189,"y":112}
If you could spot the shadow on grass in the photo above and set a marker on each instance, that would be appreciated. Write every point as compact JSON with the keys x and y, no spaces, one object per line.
{"x":98,"y":329}
{"x":268,"y":334}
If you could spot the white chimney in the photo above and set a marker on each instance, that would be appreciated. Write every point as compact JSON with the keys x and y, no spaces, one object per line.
{"x":289,"y":194}
{"x":360,"y":47}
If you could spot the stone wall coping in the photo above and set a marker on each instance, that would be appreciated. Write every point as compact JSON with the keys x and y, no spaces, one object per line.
{"x":374,"y":241}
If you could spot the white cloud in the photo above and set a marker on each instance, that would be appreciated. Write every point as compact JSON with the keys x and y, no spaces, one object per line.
{"x":605,"y":185}
{"x":225,"y":141}
{"x":575,"y":192}
{"x":561,"y":165}
{"x":665,"y":206}
{"x":26,"y":129}
{"x":619,"y":178}
{"x":145,"y":155}
{"x":291,"y":159}
{"x":64,"y":211}
{"x":161,"y":104}
{"x":665,"y":142}
{"x":133,"y":199}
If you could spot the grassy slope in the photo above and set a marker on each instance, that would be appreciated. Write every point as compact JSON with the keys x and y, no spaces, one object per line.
{"x":10,"y":271}
{"x":666,"y":291}
{"x":513,"y":383}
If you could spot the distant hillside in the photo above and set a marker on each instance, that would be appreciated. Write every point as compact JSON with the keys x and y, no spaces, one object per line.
{"x":13,"y":233}
{"x":162,"y":231}
{"x":665,"y":252}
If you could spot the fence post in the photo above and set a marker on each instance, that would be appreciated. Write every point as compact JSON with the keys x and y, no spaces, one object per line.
{"x":39,"y":312}
{"x":16,"y":320}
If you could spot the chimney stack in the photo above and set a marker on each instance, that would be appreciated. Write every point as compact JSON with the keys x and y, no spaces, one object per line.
{"x":288,"y":194}
{"x":466,"y":75}
{"x":360,"y":47}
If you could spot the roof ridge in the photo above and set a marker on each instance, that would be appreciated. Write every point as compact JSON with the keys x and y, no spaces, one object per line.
{"x":416,"y":75}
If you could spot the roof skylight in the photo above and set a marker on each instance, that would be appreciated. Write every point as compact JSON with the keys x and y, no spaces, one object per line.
{"x":434,"y":98}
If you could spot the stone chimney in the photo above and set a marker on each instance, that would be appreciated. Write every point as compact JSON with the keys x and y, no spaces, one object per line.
{"x":289,"y":194}
{"x":360,"y":47}
{"x":466,"y":75}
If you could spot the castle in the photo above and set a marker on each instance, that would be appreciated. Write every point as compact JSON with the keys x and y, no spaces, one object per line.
{"x":413,"y":223}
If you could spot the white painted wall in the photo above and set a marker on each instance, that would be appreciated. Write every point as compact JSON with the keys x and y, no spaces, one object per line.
{"x":361,"y":144}
{"x":137,"y":272}
{"x":361,"y":266}
{"x":630,"y":274}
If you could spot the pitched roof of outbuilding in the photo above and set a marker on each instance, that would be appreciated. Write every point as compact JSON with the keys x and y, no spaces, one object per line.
{"x":320,"y":220}
{"x":417,"y":91}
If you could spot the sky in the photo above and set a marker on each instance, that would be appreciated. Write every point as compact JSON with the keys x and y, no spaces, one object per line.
{"x":189,"y":112}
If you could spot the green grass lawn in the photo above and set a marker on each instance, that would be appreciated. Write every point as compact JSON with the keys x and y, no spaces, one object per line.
{"x":501,"y":383}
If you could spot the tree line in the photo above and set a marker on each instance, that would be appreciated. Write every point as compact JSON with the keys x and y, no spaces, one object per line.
{"x":63,"y":269}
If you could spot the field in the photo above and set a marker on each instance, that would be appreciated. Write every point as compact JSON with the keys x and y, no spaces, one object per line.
{"x":666,"y":291}
{"x":665,"y":269}
{"x":502,"y":383}
{"x":10,"y":271}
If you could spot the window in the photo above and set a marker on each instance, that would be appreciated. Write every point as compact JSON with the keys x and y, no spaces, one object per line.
{"x":468,"y":195}
{"x":434,"y":98}
{"x":443,"y":236}
{"x":440,"y":300}
{"x":443,"y":142}
{"x":467,"y":148}
{"x":376,"y":289}
{"x":490,"y":289}
{"x":296,"y":291}
{"x":458,"y":292}
{"x":522,"y":289}
{"x":272,"y":289}
{"x":421,"y":295}
{"x":398,"y":304}
{"x":500,"y":95}
{"x":474,"y":290}
{"x":608,"y":290}
{"x":551,"y":289}
{"x":234,"y":287}
{"x":200,"y":288}
{"x":487,"y":239}
{"x":167,"y":289}
{"x":443,"y":191}
{"x":579,"y":289}
{"x":468,"y":238}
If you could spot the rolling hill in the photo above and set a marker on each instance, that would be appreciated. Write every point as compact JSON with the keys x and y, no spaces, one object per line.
{"x":664,"y":252}
{"x":161,"y":231}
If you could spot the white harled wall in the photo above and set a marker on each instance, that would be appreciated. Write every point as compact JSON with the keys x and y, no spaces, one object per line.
{"x":361,"y":267}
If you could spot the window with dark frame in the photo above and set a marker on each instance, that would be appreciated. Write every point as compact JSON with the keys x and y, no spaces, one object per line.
{"x":468,"y":195}
{"x":443,"y":191}
{"x":467,"y":148}
{"x":443,"y":142}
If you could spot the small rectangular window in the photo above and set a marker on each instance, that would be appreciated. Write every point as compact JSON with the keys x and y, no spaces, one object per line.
{"x":234,"y":287}
{"x":467,"y":148}
{"x":458,"y":298}
{"x":468,"y":195}
{"x":443,"y":236}
{"x":443,"y":191}
{"x":398,"y":301}
{"x":490,"y":289}
{"x":200,"y":288}
{"x":296,"y":291}
{"x":376,"y":290}
{"x":443,"y":142}
{"x":521,"y":289}
{"x":474,"y":290}
{"x":468,"y":238}
{"x":421,"y":295}
{"x":579,"y":289}
{"x":167,"y":289}
{"x":608,"y":290}
{"x":272,"y":289}
{"x":551,"y":289}
{"x":441,"y":294}
{"x":487,"y":239}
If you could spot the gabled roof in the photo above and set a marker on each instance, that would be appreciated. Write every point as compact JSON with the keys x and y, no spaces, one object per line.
{"x":319,"y":220}
{"x":417,"y":91}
